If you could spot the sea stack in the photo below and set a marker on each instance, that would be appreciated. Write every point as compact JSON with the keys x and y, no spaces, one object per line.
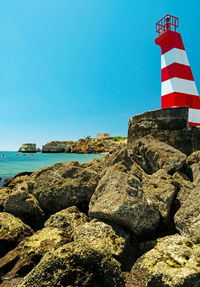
{"x":28,"y":148}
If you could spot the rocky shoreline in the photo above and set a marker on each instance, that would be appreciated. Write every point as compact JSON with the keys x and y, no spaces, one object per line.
{"x":129,"y":219}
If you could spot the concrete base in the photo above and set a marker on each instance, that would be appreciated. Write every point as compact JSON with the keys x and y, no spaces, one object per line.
{"x":167,"y":125}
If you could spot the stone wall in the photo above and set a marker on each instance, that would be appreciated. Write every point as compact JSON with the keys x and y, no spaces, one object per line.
{"x":168,"y":125}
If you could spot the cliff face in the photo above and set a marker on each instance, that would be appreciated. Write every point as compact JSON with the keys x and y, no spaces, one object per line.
{"x":28,"y":147}
{"x":56,"y":146}
{"x":85,"y":146}
{"x":167,"y":125}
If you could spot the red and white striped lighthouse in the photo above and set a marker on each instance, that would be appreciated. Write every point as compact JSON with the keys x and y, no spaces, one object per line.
{"x":178,"y":85}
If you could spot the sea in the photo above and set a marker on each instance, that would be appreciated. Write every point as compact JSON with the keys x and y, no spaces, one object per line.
{"x":12,"y":162}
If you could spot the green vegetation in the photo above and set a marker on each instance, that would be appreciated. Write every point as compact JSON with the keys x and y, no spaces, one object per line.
{"x":118,"y":138}
{"x":87,"y":138}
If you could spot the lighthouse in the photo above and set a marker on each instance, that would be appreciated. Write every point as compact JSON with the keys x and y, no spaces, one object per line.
{"x":178,"y":88}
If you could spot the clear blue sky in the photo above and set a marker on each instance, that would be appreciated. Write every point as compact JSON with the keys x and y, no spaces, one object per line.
{"x":72,"y":68}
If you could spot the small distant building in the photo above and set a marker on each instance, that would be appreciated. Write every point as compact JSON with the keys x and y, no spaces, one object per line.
{"x":103,"y":136}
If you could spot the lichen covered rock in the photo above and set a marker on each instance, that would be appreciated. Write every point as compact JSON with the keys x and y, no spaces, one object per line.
{"x":173,"y":262}
{"x":193,"y":162}
{"x":24,"y":205}
{"x":12,"y":231}
{"x":119,"y":198}
{"x":69,"y":218}
{"x":4,"y":193}
{"x":160,"y":189}
{"x":75,"y":264}
{"x":187,"y":218}
{"x":153,"y":155}
{"x":28,"y":253}
{"x":108,"y":239}
{"x":63,"y":185}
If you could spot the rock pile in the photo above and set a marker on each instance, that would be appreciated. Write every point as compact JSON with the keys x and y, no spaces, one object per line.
{"x":130,"y":219}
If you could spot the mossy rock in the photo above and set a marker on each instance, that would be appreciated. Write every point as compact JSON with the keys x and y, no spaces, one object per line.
{"x":69,"y":218}
{"x":107,"y":238}
{"x":173,"y":262}
{"x":24,"y":205}
{"x":75,"y":264}
{"x":29,"y":252}
{"x":4,"y":193}
{"x":12,"y":231}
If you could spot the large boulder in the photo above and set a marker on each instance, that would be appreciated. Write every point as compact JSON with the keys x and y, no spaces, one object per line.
{"x":24,"y":205}
{"x":63,"y":185}
{"x":69,"y":218}
{"x":184,"y":187}
{"x":12,"y":231}
{"x":119,"y":198}
{"x":153,"y":155}
{"x":187,"y":218}
{"x":4,"y":193}
{"x":28,"y":253}
{"x":108,"y":238}
{"x":193,"y":162}
{"x":161,"y":190}
{"x":18,"y":178}
{"x":173,"y":262}
{"x":75,"y":264}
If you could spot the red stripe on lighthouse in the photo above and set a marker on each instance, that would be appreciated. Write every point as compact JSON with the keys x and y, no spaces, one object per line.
{"x":180,"y":100}
{"x":168,"y":40}
{"x":178,"y":71}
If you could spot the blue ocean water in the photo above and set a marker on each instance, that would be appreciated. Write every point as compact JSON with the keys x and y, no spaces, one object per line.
{"x":12,"y":162}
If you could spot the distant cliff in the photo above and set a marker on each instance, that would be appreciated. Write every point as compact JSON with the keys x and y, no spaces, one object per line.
{"x":87,"y":145}
{"x":57,"y":147}
{"x":28,"y":147}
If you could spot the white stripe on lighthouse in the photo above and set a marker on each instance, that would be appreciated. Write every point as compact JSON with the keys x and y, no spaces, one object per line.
{"x":194,"y":116}
{"x":180,"y":86}
{"x":174,"y":56}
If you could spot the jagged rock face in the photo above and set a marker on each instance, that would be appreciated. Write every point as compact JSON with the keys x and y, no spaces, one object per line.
{"x":121,"y":157}
{"x":166,"y":125}
{"x":12,"y":230}
{"x":153,"y":155}
{"x":64,"y":185}
{"x":119,"y":198}
{"x":193,"y":162}
{"x":57,"y":146}
{"x":184,"y":186}
{"x":187,"y":218}
{"x":28,"y":147}
{"x":75,"y":264}
{"x":173,"y":262}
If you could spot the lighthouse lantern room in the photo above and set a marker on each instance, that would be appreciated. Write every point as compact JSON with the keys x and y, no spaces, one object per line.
{"x":178,"y":87}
